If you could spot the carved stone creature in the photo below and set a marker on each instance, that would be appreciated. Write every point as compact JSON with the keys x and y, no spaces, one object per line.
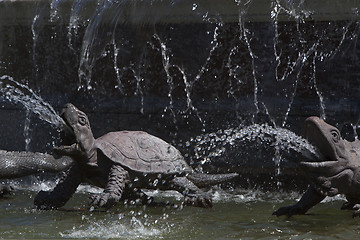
{"x":15,"y":164}
{"x":122,"y":163}
{"x":338,"y":172}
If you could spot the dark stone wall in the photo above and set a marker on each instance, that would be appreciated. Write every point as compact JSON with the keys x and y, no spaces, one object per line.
{"x":236,"y":74}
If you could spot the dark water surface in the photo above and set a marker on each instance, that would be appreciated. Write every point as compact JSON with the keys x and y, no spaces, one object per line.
{"x":244,"y":214}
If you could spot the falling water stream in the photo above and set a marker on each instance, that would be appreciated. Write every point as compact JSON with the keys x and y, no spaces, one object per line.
{"x":19,"y":93}
{"x":228,"y":84}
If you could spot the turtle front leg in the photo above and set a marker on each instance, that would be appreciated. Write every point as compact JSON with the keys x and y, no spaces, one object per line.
{"x":118,"y":177}
{"x":193,"y":195}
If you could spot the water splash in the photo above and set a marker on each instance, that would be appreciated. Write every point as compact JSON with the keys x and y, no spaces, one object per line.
{"x":19,"y":93}
{"x":211,"y":146}
{"x":35,"y":36}
{"x":244,"y":35}
{"x":100,"y":26}
{"x":27,"y":130}
{"x":118,"y":71}
{"x":107,"y":12}
{"x":55,"y":10}
{"x":132,"y":225}
{"x":240,"y":195}
{"x":167,"y":65}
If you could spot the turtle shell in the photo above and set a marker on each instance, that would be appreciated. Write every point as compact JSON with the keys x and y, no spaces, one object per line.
{"x":142,"y":152}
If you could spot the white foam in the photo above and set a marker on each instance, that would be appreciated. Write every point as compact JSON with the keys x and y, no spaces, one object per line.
{"x":125,"y":227}
{"x":253,"y":195}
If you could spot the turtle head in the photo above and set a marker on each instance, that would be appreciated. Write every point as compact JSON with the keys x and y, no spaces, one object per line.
{"x":79,"y":125}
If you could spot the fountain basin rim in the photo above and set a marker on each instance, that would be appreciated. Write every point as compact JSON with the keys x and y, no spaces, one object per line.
{"x":22,"y":12}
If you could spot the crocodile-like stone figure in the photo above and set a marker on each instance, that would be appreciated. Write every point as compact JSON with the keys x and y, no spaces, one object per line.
{"x":122,"y":163}
{"x":338,"y":172}
{"x":15,"y":164}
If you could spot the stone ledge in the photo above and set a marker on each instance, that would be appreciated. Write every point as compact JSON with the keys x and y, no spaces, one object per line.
{"x":23,"y":12}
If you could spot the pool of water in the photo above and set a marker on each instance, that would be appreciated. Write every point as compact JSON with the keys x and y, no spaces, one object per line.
{"x":242,"y":214}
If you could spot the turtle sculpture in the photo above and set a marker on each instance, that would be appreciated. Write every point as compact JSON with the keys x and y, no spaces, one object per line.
{"x":122,"y":163}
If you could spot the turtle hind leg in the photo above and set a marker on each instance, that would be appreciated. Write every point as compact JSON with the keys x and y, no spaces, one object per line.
{"x":193,"y":195}
{"x":118,"y":177}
